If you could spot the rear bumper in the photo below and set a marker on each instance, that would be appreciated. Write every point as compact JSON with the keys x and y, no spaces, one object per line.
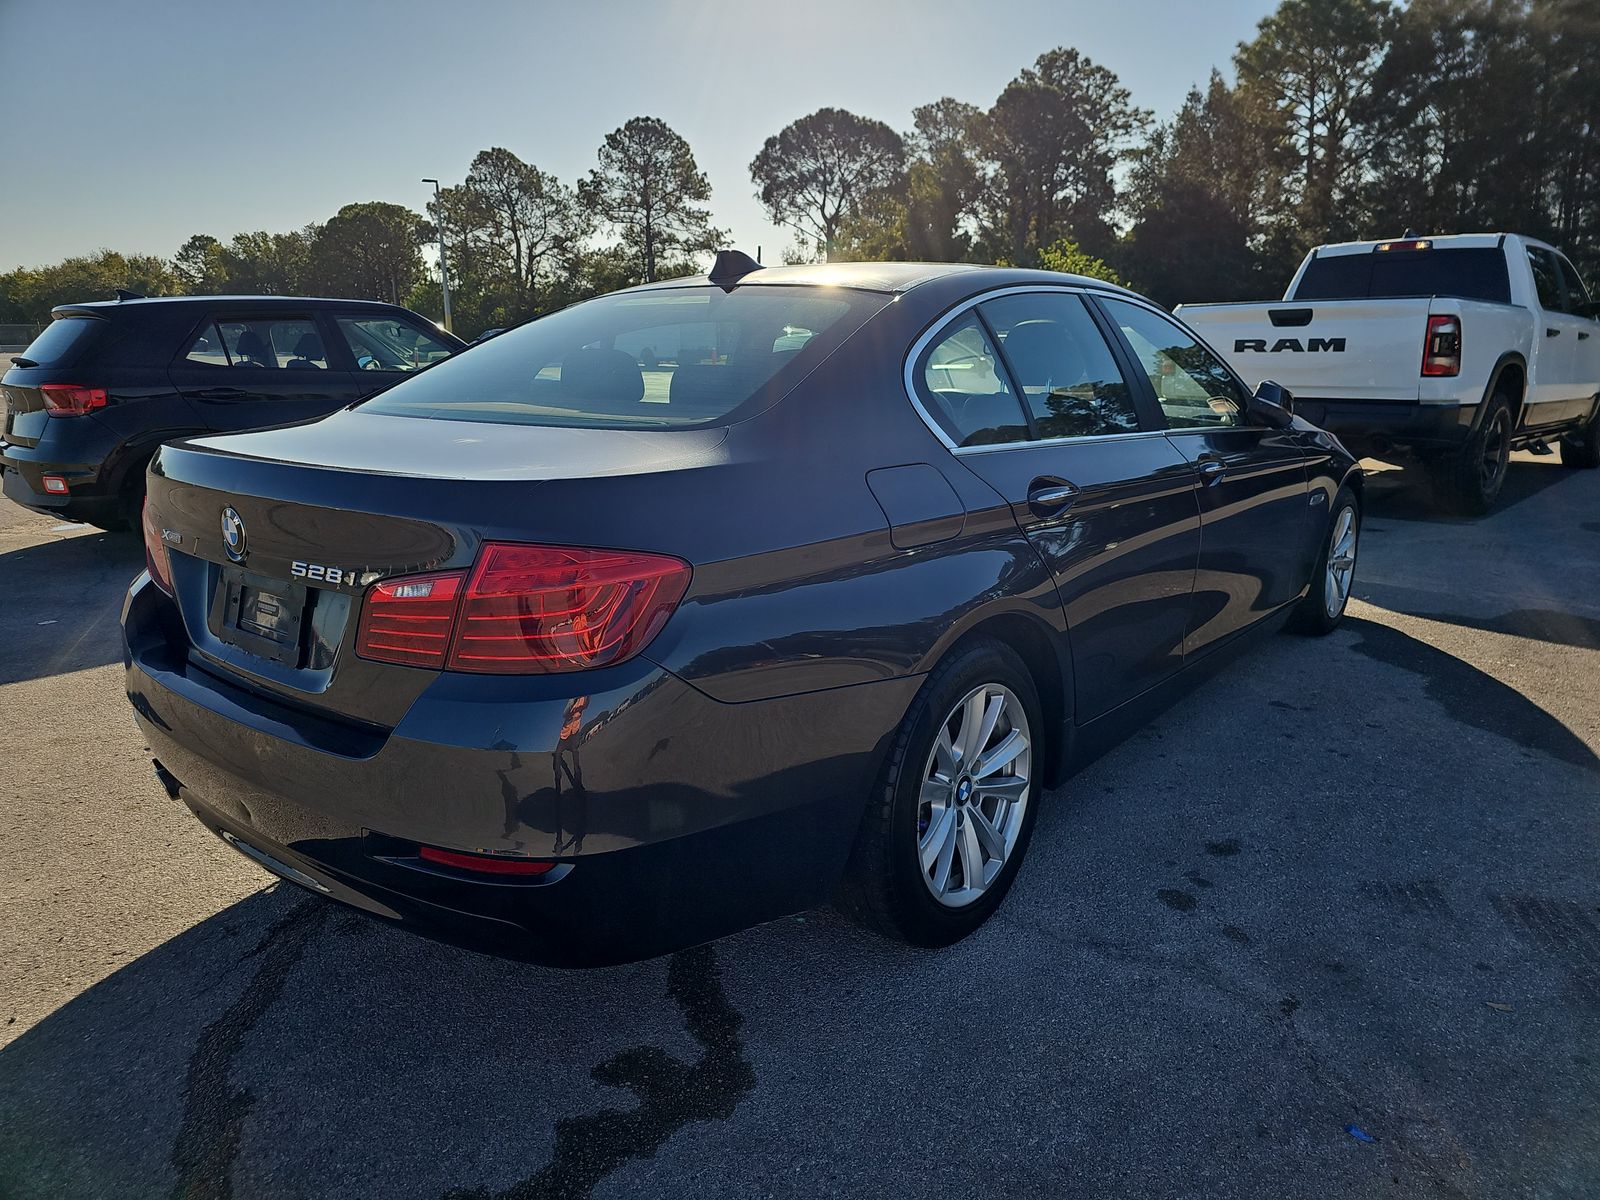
{"x":675,"y":818}
{"x":91,"y":497}
{"x":1363,"y":424}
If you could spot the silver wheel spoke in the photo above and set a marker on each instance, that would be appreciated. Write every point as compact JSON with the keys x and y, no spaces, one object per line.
{"x":1013,"y":744}
{"x":972,"y":718}
{"x":944,"y":856}
{"x":944,"y":755}
{"x":939,"y":838}
{"x":972,"y":875}
{"x":1005,"y":788}
{"x":986,"y":834}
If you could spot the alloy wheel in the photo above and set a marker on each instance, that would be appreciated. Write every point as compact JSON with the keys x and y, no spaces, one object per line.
{"x":1341,"y":561}
{"x":975,"y":792}
{"x":1496,"y":450}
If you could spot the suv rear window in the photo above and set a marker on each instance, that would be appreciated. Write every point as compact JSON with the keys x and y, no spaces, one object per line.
{"x":666,"y":358}
{"x":59,"y":339}
{"x":1477,"y":273}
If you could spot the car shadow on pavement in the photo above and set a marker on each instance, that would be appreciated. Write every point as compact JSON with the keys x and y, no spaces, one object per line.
{"x":288,"y":1046}
{"x":64,"y":600}
{"x":1404,"y":492}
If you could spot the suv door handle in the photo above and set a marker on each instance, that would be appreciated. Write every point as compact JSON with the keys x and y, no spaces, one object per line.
{"x":1048,"y":495}
{"x":1552,"y":333}
{"x":1211,"y":468}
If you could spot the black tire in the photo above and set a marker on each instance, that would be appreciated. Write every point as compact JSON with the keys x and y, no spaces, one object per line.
{"x":1582,"y":449}
{"x":884,"y":886}
{"x":1315,"y":615}
{"x":1471,"y":479}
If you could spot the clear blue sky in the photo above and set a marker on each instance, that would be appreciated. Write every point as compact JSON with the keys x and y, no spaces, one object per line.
{"x":132,"y":125}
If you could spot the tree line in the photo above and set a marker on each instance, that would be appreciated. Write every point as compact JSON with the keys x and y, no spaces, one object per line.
{"x":1346,"y":119}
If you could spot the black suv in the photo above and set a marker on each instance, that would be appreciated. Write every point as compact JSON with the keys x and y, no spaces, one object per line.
{"x":106,"y":383}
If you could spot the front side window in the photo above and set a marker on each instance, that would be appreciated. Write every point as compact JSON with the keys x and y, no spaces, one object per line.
{"x":1546,"y":279}
{"x":962,"y":385}
{"x":1195,"y":389}
{"x":662,"y":358}
{"x":388,"y":344}
{"x":1062,"y":364}
{"x":292,"y":343}
{"x":1577,"y":292}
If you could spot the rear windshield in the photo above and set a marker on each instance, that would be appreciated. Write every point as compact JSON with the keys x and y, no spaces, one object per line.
{"x":672,"y":358}
{"x":60,"y":339}
{"x":1468,"y":274}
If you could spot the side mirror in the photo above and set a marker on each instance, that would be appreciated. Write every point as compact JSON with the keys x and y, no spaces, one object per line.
{"x":1273,"y":404}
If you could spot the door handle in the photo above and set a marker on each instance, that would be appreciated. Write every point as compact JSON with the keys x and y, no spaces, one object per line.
{"x":1582,"y":336}
{"x":1048,"y":495}
{"x":221,"y":393}
{"x":1211,"y":469}
{"x":1552,"y":333}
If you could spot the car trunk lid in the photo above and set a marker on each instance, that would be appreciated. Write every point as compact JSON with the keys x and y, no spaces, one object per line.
{"x":275,"y":537}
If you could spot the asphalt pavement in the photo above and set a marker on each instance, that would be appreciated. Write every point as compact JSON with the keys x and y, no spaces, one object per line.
{"x":1329,"y":927}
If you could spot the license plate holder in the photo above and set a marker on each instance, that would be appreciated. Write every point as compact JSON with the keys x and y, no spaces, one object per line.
{"x":260,"y":615}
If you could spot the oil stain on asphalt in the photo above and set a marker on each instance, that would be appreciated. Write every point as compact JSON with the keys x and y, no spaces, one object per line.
{"x":671,"y":1094}
{"x":214,"y":1110}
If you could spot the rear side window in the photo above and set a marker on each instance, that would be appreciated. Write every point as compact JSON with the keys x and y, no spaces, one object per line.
{"x":962,"y":385}
{"x":1062,"y":364}
{"x":1476,"y":273}
{"x":62,"y":339}
{"x":389,"y":344}
{"x":664,"y":358}
{"x":292,"y":343}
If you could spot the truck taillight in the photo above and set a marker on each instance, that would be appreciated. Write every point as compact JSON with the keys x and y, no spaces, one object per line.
{"x":524,"y":610}
{"x":156,"y":556}
{"x":71,"y":399}
{"x":1441,"y":349}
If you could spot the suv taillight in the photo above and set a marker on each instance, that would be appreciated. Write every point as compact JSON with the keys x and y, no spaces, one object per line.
{"x":1441,"y":350}
{"x":156,"y":556}
{"x":524,"y":610}
{"x":71,"y":399}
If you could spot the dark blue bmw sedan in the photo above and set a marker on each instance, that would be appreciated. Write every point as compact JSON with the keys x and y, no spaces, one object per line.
{"x":713,"y":600}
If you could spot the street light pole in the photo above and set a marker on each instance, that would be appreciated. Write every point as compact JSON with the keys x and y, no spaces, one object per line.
{"x":444,"y":267}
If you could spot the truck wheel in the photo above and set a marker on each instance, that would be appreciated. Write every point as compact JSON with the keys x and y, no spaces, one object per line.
{"x":1582,"y":449}
{"x":1322,"y":608}
{"x":1473,"y":477}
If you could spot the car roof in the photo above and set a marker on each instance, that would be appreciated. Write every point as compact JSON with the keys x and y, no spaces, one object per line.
{"x":894,"y":277}
{"x":251,"y":301}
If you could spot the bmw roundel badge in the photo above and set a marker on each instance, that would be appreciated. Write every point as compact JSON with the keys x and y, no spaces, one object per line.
{"x":233,"y":534}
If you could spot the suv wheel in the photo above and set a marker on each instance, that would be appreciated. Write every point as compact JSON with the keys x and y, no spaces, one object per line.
{"x":949,"y":822}
{"x":1582,"y":449}
{"x":1473,"y":477}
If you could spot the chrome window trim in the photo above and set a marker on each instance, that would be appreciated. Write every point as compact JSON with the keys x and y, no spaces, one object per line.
{"x":952,"y":315}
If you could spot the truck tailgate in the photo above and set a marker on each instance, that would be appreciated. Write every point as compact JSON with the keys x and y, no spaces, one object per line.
{"x":1323,"y":349}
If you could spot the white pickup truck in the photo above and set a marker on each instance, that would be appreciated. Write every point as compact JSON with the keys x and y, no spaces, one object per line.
{"x":1459,"y":349}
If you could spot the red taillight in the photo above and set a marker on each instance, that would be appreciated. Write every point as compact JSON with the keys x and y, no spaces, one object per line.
{"x":559,"y":608}
{"x":156,"y":556}
{"x":71,"y":399}
{"x":409,"y":620}
{"x":524,"y":610}
{"x":1441,"y":350}
{"x":486,"y":864}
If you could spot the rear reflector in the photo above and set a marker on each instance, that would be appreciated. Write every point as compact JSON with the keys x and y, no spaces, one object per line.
{"x":484,"y":864}
{"x":1441,"y":349}
{"x":71,"y":399}
{"x":56,"y":485}
{"x":156,"y":557}
{"x":524,"y":610}
{"x":409,"y":620}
